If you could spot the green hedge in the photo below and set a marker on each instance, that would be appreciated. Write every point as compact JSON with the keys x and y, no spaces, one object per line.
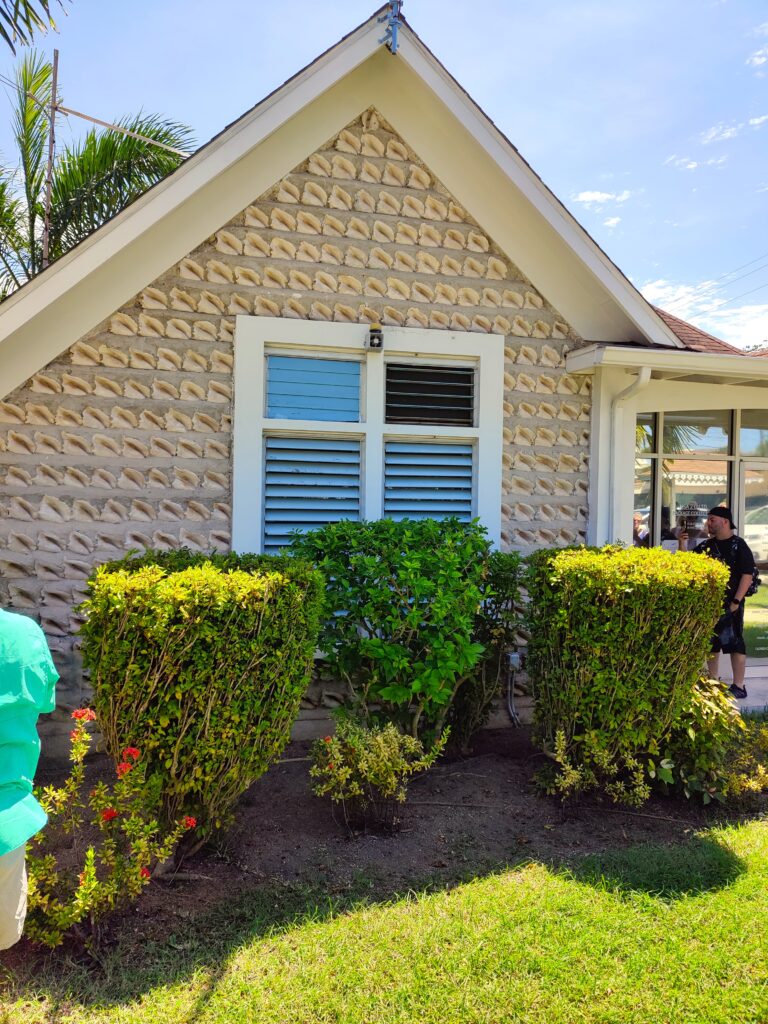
{"x":402,"y":601}
{"x":618,"y":641}
{"x":201,"y":662}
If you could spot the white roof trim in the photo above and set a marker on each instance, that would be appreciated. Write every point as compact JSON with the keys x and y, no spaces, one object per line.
{"x":225,"y":150}
{"x":587,"y":360}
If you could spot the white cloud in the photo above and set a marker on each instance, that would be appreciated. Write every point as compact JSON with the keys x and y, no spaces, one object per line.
{"x":758,"y":58}
{"x":742,"y":325}
{"x":594,"y":198}
{"x":720,"y":132}
{"x":611,"y":222}
{"x":685,"y":163}
{"x":761,"y":30}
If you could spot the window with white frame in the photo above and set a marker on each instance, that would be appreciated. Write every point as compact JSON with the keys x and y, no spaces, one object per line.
{"x":327,"y":429}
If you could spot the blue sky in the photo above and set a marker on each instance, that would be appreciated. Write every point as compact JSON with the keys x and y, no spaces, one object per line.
{"x":649,"y":120}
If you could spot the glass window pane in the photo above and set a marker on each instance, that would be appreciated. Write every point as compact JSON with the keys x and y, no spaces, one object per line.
{"x":642,"y":517}
{"x":689,"y":488}
{"x":697,"y":433}
{"x":645,"y":432}
{"x":754,"y":432}
{"x":754,"y":529}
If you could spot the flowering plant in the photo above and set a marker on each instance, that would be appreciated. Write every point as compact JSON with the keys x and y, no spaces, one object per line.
{"x":115,"y":841}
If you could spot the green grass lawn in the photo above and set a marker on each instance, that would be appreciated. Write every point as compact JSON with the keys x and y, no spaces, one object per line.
{"x":649,"y":935}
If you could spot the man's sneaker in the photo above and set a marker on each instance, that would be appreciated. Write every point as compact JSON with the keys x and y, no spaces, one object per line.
{"x":739,"y":692}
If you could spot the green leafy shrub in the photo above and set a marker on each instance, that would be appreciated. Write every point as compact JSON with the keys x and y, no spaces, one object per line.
{"x":746,"y":763}
{"x":699,"y":749}
{"x":113,"y":841}
{"x":401,"y":604}
{"x":366,"y":770}
{"x":618,"y":638}
{"x":203,"y":667}
{"x":496,"y":625}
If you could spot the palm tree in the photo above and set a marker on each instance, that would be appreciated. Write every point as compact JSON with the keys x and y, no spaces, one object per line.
{"x":92,"y":180}
{"x":20,"y":19}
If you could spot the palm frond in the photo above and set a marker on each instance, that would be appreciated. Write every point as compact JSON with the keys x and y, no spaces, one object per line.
{"x":31,"y":129}
{"x":20,"y":19}
{"x":14,"y":254}
{"x":106,"y":171}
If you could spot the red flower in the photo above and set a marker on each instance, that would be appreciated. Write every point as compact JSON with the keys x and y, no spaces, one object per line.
{"x":326,"y":739}
{"x":74,"y":734}
{"x":84,"y":715}
{"x":145,"y":873}
{"x":123,"y":768}
{"x":190,"y":822}
{"x":130,"y":753}
{"x":108,"y":814}
{"x":330,"y":765}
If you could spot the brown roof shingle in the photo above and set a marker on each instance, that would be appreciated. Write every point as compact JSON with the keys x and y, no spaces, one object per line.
{"x":696,"y":339}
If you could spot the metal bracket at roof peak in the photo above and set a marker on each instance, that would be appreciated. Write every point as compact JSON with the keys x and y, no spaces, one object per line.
{"x":393,"y":18}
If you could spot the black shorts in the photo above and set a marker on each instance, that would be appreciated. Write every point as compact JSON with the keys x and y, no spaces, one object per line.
{"x":737,"y":646}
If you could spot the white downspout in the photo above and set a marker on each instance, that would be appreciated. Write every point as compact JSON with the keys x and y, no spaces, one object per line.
{"x":643,"y":376}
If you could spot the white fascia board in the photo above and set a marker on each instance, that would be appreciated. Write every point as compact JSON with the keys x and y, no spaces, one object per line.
{"x":488,"y":136}
{"x":587,"y":360}
{"x":198,"y":170}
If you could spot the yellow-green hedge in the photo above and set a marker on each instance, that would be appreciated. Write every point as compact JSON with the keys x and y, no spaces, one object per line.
{"x":201,"y":665}
{"x":618,"y":641}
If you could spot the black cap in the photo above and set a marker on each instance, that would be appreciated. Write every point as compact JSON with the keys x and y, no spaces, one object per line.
{"x":723,"y":513}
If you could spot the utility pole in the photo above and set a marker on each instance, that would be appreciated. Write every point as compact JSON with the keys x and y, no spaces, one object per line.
{"x":49,"y":171}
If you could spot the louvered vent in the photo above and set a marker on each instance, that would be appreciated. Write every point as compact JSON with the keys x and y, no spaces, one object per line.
{"x":308,"y":482}
{"x":427,"y":480}
{"x":418,"y":393}
{"x":313,"y":389}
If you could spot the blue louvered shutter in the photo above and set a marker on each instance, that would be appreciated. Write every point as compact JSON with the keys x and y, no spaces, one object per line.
{"x":428,"y":480}
{"x":308,"y":482}
{"x":313,"y":389}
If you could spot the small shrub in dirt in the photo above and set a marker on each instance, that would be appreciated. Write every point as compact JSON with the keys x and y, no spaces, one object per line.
{"x":366,"y":771}
{"x":203,"y":667}
{"x":496,"y":625}
{"x":401,"y":605}
{"x":746,"y":772}
{"x":618,"y":638}
{"x":98,"y":849}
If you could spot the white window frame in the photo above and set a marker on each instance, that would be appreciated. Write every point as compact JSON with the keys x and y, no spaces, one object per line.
{"x":258,"y":337}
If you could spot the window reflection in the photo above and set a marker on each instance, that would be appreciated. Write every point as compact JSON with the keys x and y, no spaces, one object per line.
{"x":689,"y":488}
{"x":697,"y":433}
{"x":641,"y":517}
{"x":645,"y":433}
{"x":754,"y":432}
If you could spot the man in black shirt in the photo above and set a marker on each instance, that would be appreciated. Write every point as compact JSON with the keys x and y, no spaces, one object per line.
{"x":733,"y":551}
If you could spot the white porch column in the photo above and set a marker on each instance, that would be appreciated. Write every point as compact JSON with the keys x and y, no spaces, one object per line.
{"x":612,"y":458}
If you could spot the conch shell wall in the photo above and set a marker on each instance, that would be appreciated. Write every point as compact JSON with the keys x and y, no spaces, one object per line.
{"x":124,"y":441}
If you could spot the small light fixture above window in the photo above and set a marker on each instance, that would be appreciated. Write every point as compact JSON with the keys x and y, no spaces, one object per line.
{"x":375,"y":340}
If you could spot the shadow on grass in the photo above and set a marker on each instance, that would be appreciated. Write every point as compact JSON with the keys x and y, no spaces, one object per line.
{"x":206,"y":943}
{"x":668,"y":872}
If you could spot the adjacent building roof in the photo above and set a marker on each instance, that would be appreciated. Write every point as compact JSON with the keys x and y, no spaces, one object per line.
{"x":697,"y":340}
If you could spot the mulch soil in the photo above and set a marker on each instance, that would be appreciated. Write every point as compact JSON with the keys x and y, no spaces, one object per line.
{"x":466,"y":817}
